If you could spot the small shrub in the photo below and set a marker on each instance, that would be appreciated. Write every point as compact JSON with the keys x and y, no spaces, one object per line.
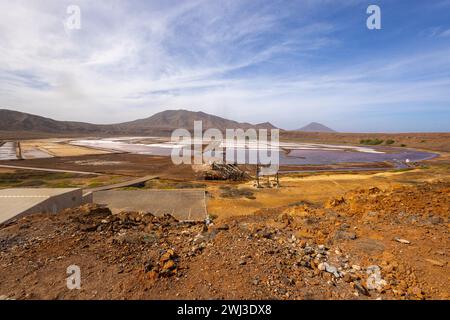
{"x":213,"y":216}
{"x":371,"y":142}
{"x":63,"y":184}
{"x":237,"y":193}
{"x":31,"y":183}
{"x":95,"y":184}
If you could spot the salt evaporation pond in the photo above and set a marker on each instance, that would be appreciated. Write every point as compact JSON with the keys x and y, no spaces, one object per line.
{"x":114,"y":144}
{"x":290,"y":153}
{"x":329,"y":157}
{"x":8,"y":151}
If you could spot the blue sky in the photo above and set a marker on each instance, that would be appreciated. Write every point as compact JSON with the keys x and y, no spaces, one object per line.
{"x":287,"y":62}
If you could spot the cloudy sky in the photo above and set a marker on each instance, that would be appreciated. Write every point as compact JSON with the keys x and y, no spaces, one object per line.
{"x":288,"y":62}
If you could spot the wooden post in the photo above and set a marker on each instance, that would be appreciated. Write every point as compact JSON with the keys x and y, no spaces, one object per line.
{"x":224,"y":155}
{"x":257,"y":176}
{"x":278,"y":180}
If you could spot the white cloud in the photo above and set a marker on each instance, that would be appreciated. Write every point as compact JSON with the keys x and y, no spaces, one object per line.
{"x":130,"y":60}
{"x":445,"y":33}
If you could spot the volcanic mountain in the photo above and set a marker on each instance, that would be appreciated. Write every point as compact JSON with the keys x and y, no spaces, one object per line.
{"x":315,"y":127}
{"x":162,"y":123}
{"x":19,"y":121}
{"x":185,"y":119}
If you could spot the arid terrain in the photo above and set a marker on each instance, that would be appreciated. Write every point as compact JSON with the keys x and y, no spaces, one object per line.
{"x":252,"y":153}
{"x":352,"y":235}
{"x":426,"y":141}
{"x":369,"y":231}
{"x":368,"y":244}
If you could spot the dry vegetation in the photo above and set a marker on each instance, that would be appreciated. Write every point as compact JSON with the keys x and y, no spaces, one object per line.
{"x":426,"y":141}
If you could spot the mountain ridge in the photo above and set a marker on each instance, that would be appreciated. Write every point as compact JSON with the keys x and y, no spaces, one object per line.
{"x":160,"y":123}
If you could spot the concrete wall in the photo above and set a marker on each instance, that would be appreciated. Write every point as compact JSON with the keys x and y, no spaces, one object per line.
{"x":183,"y":204}
{"x":53,"y":203}
{"x":88,"y":197}
{"x":59,"y":202}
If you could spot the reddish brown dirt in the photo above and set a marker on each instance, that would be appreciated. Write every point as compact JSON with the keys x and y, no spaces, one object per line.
{"x":274,"y":254}
{"x":124,"y":164}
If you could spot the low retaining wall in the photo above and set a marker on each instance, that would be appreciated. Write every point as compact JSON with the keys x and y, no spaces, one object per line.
{"x":16,"y":203}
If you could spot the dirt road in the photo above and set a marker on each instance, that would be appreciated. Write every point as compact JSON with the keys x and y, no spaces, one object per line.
{"x":48,"y":169}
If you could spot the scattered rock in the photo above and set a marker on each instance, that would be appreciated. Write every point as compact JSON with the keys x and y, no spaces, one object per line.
{"x":356,"y":267}
{"x":361,"y":289}
{"x":169,"y":254}
{"x":436,"y":220}
{"x":88,"y":227}
{"x":344,"y":235}
{"x":167,"y":263}
{"x":138,"y":244}
{"x":347,"y":278}
{"x":150,"y":265}
{"x":223,"y":227}
{"x":335,"y":202}
{"x":373,"y":269}
{"x":436,"y":262}
{"x":416,"y":291}
{"x":264,"y":233}
{"x":401,"y":240}
{"x":324,"y":266}
{"x":375,"y":281}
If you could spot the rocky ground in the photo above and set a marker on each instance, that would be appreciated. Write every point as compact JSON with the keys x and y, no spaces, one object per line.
{"x":368,"y":244}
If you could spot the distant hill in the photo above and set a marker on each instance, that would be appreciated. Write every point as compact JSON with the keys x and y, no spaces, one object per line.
{"x":185,"y":119}
{"x":18,"y":121}
{"x":266,"y":125}
{"x":315,"y":127}
{"x":162,"y":123}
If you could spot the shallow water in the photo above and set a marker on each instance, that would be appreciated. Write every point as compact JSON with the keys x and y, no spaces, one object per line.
{"x":289,"y":153}
{"x":123,"y":146}
{"x":8,"y":151}
{"x":329,"y":157}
